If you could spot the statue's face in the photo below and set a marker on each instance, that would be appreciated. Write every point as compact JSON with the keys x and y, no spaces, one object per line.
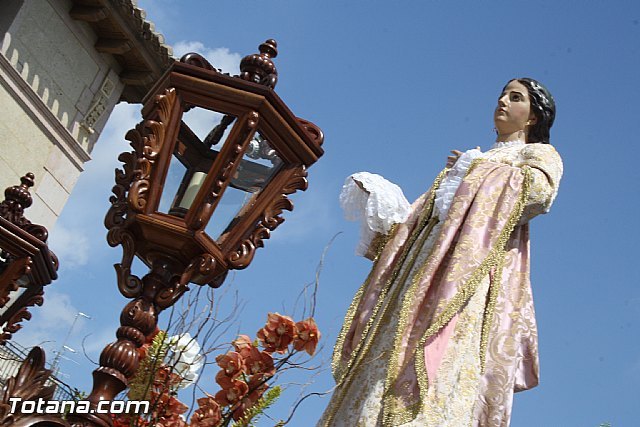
{"x":513,"y":112}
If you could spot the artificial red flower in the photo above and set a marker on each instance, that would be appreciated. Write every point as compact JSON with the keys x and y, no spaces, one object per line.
{"x":232,"y":364}
{"x":259,"y":362}
{"x":231,"y":393}
{"x":167,"y":404}
{"x":208,"y":413}
{"x":149,"y":338}
{"x":278,"y":333}
{"x":166,"y":378}
{"x":125,"y":420}
{"x":242,"y":344}
{"x":241,"y":408}
{"x":257,"y":387}
{"x":223,"y":380}
{"x":307,"y":337}
{"x":142,"y":351}
{"x":172,"y":420}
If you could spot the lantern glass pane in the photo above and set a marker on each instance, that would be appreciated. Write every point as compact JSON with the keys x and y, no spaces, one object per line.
{"x":202,"y":134}
{"x":258,"y":166}
{"x":211,"y":127}
{"x":14,"y":295}
{"x":175,"y":175}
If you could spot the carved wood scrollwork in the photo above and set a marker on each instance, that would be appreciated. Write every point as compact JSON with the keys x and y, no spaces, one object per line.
{"x":271,"y":218}
{"x":314,"y":131}
{"x":28,"y":384}
{"x":132,"y":187}
{"x":13,"y":324}
{"x":204,"y":266}
{"x":198,"y":60}
{"x":232,"y":159}
{"x":147,"y":139}
{"x":9,"y":278}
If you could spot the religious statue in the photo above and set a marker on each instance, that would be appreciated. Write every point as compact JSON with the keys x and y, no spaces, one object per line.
{"x":443,"y":331}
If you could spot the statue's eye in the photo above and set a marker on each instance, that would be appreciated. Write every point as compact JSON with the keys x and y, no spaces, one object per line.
{"x":516,"y":97}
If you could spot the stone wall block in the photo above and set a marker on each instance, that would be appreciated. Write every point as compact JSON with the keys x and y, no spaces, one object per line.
{"x":52,"y":193}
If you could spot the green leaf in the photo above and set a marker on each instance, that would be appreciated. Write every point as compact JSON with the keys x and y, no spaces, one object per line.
{"x":259,"y":407}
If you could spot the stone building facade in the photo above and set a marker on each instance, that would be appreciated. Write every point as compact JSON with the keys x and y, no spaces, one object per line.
{"x":64,"y":64}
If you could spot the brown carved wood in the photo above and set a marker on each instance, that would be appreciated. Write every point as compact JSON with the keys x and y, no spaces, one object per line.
{"x":259,"y":68}
{"x":160,"y":289}
{"x":131,"y":192}
{"x":19,"y":311}
{"x":10,"y":276}
{"x":28,"y":262}
{"x":266,"y":215}
{"x":29,"y":384}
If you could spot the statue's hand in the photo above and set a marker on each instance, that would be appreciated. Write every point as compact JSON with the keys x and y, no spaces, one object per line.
{"x":451,"y":160}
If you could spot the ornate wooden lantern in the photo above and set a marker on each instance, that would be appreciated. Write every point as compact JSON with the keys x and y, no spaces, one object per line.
{"x":26,"y":262}
{"x":213,"y":162}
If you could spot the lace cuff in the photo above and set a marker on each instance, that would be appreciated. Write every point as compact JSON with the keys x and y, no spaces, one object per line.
{"x":380,"y":205}
{"x":449,"y":185}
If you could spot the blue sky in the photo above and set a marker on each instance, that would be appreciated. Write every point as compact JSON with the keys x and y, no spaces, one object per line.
{"x":395,"y":86}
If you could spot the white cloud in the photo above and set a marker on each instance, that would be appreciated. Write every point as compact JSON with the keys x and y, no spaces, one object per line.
{"x":71,"y":245}
{"x":220,"y":57}
{"x":96,"y":342}
{"x":311,"y":216}
{"x":111,"y":143}
{"x":56,"y":314}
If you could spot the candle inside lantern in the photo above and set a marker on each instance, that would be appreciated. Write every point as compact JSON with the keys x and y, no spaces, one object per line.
{"x":192,"y":189}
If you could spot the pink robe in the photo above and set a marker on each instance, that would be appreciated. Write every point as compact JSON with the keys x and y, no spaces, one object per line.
{"x":443,"y":331}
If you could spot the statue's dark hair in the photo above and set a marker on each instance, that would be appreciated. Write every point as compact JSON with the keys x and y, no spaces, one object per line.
{"x":543,"y":107}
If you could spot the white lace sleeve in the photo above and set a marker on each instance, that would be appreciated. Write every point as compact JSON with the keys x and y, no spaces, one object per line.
{"x":378,"y":208}
{"x":453,"y":179}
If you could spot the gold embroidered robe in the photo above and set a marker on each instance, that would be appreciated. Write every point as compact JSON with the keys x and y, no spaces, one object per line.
{"x":443,"y":330}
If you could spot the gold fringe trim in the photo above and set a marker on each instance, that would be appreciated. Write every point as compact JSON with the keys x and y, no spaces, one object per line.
{"x":489,"y":311}
{"x":340,"y":371}
{"x":393,"y":413}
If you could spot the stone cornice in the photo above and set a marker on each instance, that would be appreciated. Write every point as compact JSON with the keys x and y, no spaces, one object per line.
{"x":40,"y":113}
{"x":123,"y":32}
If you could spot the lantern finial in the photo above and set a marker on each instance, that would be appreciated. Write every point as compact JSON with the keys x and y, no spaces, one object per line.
{"x":259,"y":68}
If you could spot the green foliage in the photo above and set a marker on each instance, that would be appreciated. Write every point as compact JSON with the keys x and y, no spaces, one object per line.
{"x":259,"y":407}
{"x":79,"y":395}
{"x":140,"y":384}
